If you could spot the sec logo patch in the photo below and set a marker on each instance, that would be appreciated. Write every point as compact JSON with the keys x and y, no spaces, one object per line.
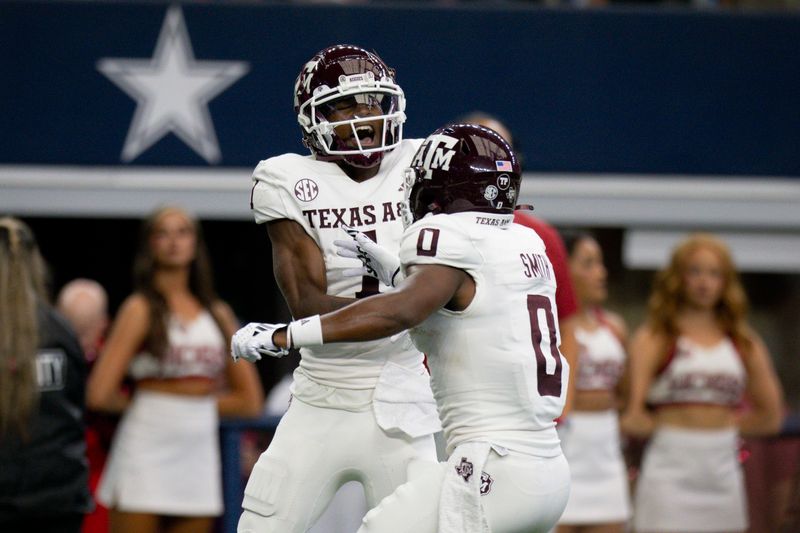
{"x":306,"y":190}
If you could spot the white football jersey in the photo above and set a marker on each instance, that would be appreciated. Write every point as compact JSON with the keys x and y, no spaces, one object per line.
{"x":320,"y":197}
{"x":496,"y":370}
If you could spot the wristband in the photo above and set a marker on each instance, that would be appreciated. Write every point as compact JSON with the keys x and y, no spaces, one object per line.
{"x":305,"y":332}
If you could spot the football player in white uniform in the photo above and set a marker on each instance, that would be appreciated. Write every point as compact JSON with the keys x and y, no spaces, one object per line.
{"x":346,"y":421}
{"x":479,"y":295}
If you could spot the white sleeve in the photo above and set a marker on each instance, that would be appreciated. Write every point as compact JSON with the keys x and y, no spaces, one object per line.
{"x":269,"y":198}
{"x":439,"y":240}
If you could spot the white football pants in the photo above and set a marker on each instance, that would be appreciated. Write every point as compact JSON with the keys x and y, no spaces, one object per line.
{"x":315,"y":451}
{"x":527,"y":495}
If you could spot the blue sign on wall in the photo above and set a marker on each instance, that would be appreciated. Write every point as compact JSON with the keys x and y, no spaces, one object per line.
{"x":600,"y":91}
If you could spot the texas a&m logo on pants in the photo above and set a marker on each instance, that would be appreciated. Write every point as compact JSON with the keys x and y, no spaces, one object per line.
{"x":464,"y":469}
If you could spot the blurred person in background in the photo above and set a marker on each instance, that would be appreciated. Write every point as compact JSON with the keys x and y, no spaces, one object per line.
{"x":171,"y":337}
{"x":84,"y":303}
{"x":599,"y":500}
{"x":770,"y":473}
{"x":693,"y":361}
{"x":43,"y":468}
{"x":790,"y":522}
{"x":554,"y":246}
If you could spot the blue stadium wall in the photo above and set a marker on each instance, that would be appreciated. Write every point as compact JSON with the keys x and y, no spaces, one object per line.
{"x":632,"y":98}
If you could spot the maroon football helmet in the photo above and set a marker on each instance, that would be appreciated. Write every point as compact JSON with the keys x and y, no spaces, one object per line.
{"x":463,"y":167}
{"x":348,"y":89}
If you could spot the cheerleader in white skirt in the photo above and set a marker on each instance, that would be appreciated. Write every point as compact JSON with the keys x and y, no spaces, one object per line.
{"x":599,"y":497}
{"x":171,"y":337}
{"x":692,"y":362}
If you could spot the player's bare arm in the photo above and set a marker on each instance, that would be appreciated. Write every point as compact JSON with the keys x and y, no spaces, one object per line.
{"x":427,"y":289}
{"x":300,"y":270}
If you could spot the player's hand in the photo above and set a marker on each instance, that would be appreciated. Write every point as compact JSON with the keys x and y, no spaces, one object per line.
{"x":376,"y":261}
{"x":255,"y":340}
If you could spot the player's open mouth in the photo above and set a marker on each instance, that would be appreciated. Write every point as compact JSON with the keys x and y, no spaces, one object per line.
{"x":366,"y":135}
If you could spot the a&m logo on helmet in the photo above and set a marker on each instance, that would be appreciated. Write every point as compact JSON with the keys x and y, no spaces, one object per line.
{"x":305,"y":77}
{"x":463,"y":167}
{"x":435,"y":153}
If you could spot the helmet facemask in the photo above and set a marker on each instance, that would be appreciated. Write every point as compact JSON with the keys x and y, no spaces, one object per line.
{"x":410,"y":176}
{"x":355,"y":105}
{"x":422,"y":198}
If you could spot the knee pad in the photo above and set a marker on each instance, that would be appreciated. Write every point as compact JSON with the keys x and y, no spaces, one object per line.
{"x":251,"y":522}
{"x":265,"y":494}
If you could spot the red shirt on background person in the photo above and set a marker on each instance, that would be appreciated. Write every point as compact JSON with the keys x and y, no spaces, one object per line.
{"x":557,"y":253}
{"x":84,"y":303}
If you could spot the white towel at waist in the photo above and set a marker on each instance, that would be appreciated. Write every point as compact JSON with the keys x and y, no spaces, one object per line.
{"x":403,"y":402}
{"x":460,"y":509}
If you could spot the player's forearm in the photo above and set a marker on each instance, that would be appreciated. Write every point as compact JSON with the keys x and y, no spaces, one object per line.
{"x":300,"y":271}
{"x":369,"y":319}
{"x":385,"y":314}
{"x":353,"y":325}
{"x":307,"y":295}
{"x":427,"y":289}
{"x":316,"y":304}
{"x":360,"y":328}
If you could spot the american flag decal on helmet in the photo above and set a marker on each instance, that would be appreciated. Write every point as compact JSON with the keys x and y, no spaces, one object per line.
{"x":503,"y":166}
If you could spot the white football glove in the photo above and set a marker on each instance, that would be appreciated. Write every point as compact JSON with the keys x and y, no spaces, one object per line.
{"x":376,"y":261}
{"x":255,"y":340}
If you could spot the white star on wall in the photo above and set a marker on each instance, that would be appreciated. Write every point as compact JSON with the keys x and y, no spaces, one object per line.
{"x":172,"y":91}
